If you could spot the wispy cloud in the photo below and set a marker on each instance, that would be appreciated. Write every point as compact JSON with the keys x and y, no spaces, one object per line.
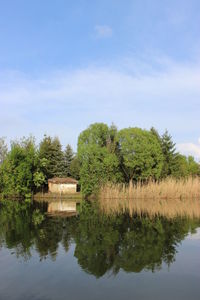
{"x":103,"y":31}
{"x":64,"y":103}
{"x":190,"y":149}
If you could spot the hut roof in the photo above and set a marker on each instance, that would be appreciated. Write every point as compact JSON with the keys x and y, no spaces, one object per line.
{"x":62,"y":180}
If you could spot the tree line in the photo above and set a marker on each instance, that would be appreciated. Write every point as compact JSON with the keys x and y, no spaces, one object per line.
{"x":104,"y":154}
{"x":26,"y":168}
{"x":130,"y":154}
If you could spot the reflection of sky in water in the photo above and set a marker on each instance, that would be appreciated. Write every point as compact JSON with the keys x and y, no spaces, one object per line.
{"x":194,"y":236}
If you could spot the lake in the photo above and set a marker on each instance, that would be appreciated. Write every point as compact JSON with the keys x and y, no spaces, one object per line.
{"x":63,"y":250}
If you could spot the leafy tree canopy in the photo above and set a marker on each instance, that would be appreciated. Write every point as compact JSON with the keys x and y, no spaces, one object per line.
{"x":98,"y":160}
{"x":140,"y":154}
{"x":20,"y":168}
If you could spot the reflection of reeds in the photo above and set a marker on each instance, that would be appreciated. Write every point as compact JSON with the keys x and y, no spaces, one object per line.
{"x":169,"y":198}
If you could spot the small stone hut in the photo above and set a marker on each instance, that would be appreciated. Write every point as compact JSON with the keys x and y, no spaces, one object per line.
{"x":65,"y":185}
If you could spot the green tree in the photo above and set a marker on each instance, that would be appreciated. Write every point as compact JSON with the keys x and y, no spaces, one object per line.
{"x":184,"y":166}
{"x":19,"y":167}
{"x":50,"y":149}
{"x":140,"y":154}
{"x":179,"y":168}
{"x":75,"y":168}
{"x":68,"y":157}
{"x":193,"y":166}
{"x":169,"y":154}
{"x":39,"y":179}
{"x":95,"y":134}
{"x":154,"y":131}
{"x":97,"y":167}
{"x":111,"y":142}
{"x":98,"y":161}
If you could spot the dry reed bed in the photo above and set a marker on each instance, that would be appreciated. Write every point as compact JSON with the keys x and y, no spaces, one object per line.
{"x":169,"y":198}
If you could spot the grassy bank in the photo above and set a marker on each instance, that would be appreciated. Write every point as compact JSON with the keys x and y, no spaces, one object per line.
{"x":45,"y":197}
{"x":169,"y":198}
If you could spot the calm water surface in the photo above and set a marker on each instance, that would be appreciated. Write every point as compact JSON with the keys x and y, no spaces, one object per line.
{"x":47,"y":252}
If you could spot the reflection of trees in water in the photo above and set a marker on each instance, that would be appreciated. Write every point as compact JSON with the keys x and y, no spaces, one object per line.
{"x":102,"y":243}
{"x":132,"y":244}
{"x":22,"y":228}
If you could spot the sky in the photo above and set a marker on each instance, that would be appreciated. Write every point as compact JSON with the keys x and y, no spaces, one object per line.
{"x":66,"y":64}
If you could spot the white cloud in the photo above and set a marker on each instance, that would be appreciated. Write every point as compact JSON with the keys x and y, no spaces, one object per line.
{"x":103,"y":31}
{"x":190,"y":149}
{"x":64,"y":103}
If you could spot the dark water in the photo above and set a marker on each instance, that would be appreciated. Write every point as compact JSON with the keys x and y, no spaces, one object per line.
{"x":91,"y":256}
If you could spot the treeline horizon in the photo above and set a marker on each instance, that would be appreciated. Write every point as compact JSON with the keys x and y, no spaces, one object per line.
{"x":104,"y":154}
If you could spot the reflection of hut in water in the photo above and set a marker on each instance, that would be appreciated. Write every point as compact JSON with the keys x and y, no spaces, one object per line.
{"x":66,"y":185}
{"x":67,"y":208}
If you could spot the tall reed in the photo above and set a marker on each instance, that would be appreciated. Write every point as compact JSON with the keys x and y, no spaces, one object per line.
{"x":169,"y":198}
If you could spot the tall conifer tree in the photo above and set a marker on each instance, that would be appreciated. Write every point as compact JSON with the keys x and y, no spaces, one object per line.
{"x":51,"y":149}
{"x":68,"y":157}
{"x":169,"y":153}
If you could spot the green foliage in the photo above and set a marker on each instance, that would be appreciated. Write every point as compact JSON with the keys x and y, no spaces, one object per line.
{"x":103,"y":155}
{"x":37,"y":217}
{"x":111,"y":143}
{"x":75,"y":168}
{"x":20,"y":172}
{"x":169,"y":154}
{"x":175,"y":164}
{"x":140,"y":154}
{"x":179,"y":168}
{"x":98,"y":166}
{"x":38,"y":179}
{"x":98,"y":161}
{"x":18,"y":168}
{"x":156,"y":134}
{"x":68,"y":158}
{"x":95,"y":134}
{"x":193,"y":166}
{"x":184,"y":166}
{"x":50,"y":149}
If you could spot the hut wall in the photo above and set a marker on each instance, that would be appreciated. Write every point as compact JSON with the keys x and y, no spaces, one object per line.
{"x":62,"y":188}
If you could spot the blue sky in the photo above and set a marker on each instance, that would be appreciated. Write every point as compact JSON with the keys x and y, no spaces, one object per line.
{"x":66,"y":64}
